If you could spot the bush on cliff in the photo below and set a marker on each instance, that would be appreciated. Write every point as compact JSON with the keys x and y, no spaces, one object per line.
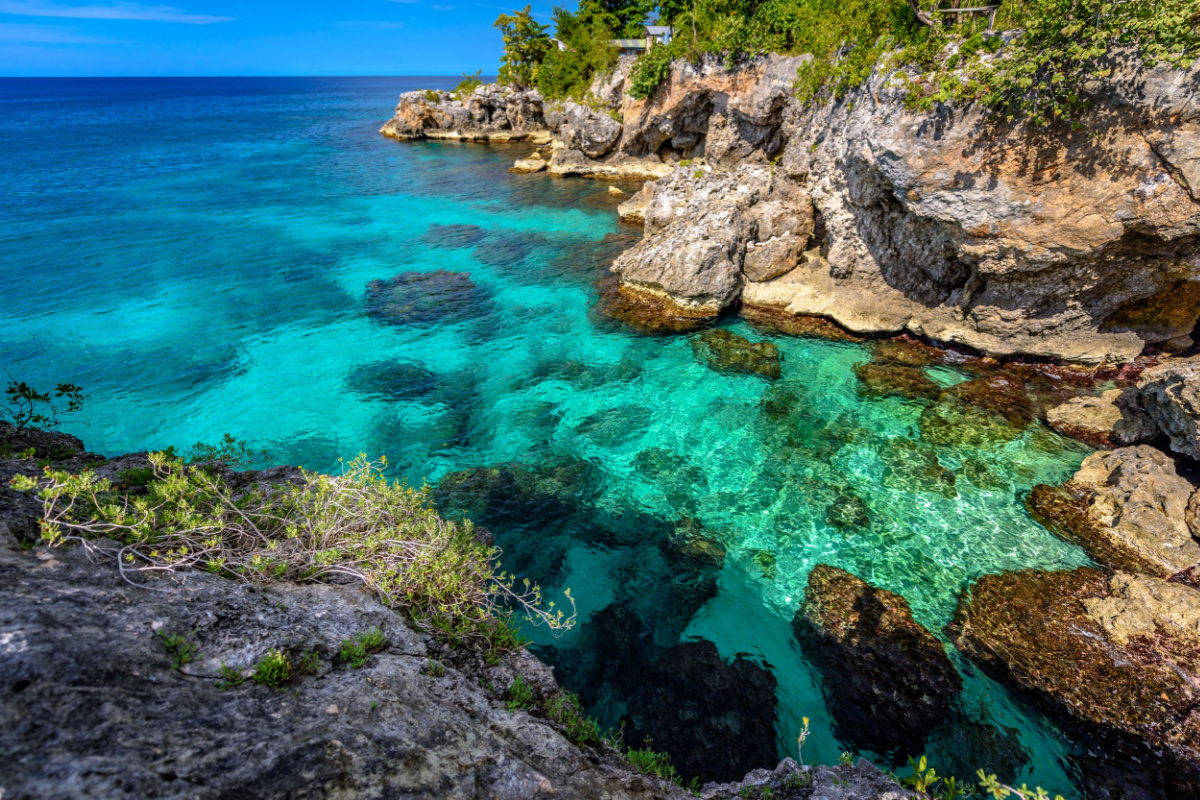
{"x":526,"y":45}
{"x":567,"y":74}
{"x":1056,"y":46}
{"x":355,"y":527}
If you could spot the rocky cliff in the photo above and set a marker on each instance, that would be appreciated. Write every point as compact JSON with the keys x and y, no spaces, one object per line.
{"x":127,"y":689}
{"x":1077,"y":244}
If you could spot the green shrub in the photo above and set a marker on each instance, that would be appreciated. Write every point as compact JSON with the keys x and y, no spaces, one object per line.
{"x":135,"y":476}
{"x":357,"y":650}
{"x":433,"y":96}
{"x":651,"y":762}
{"x":229,"y":677}
{"x":651,"y":69}
{"x":178,"y":648}
{"x":519,"y":695}
{"x":564,"y":708}
{"x":26,"y":407}
{"x":526,"y":45}
{"x":229,"y":452}
{"x":274,"y":670}
{"x":358,"y":525}
{"x":467,"y":86}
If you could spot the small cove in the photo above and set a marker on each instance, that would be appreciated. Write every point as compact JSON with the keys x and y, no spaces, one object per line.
{"x":197,"y":254}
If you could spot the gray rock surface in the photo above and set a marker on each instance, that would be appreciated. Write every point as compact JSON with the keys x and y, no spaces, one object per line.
{"x":492,"y":113}
{"x":790,"y":781}
{"x":1170,"y":394}
{"x":591,"y":132}
{"x":1113,"y":419}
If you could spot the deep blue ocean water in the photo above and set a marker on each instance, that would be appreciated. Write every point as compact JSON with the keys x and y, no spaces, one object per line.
{"x":197,"y":254}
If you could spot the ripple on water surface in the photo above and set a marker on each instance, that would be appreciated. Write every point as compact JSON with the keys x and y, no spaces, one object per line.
{"x":274,"y":269}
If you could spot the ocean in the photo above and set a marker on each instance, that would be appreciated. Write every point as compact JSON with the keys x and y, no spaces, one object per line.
{"x":212,"y":256}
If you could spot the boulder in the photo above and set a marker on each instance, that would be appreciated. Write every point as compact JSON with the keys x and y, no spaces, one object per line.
{"x":531,"y":163}
{"x":591,"y":132}
{"x":1127,"y":508}
{"x":1114,"y":654}
{"x":1105,"y":421}
{"x":633,"y":210}
{"x":883,"y":380}
{"x":887,"y":680}
{"x":1170,"y":394}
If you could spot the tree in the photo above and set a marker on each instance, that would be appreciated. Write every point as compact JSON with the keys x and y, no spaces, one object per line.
{"x":525,"y":47}
{"x":624,"y":17}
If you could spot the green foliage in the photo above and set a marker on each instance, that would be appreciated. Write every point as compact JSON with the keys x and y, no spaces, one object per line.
{"x":355,"y":526}
{"x":229,"y":452}
{"x":135,"y":476}
{"x":229,"y":677}
{"x":625,"y":18}
{"x":652,"y":68}
{"x":26,"y":407}
{"x":432,"y":96}
{"x":564,"y":708}
{"x":357,"y":650}
{"x":647,"y":761}
{"x":520,"y":695}
{"x":273,"y":669}
{"x":525,"y":47}
{"x":568,"y":73}
{"x":994,"y":789}
{"x":798,"y":780}
{"x":310,"y":663}
{"x":178,"y":648}
{"x":435,"y":668}
{"x":467,"y":86}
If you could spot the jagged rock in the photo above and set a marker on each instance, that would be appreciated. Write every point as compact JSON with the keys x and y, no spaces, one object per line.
{"x":1127,"y":508}
{"x":887,"y":680}
{"x":633,"y":210}
{"x":647,"y":310}
{"x":1115,"y":654}
{"x":491,"y":114}
{"x":883,"y":380}
{"x":727,"y":352}
{"x":1170,"y":394}
{"x":790,"y":781}
{"x":591,"y":132}
{"x":715,"y":718}
{"x":1103,"y":421}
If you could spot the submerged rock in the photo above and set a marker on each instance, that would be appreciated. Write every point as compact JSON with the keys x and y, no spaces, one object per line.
{"x":393,"y":380}
{"x":954,"y":422}
{"x":715,"y":718}
{"x":848,"y":512}
{"x":775,"y":321}
{"x":1127,"y":508}
{"x":883,"y":380}
{"x":1115,"y":653}
{"x":725,"y":351}
{"x":454,"y":236}
{"x":887,"y":680}
{"x":913,"y":467}
{"x":427,"y":298}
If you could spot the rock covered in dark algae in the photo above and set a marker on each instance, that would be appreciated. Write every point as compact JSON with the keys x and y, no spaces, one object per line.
{"x":427,"y":298}
{"x":1114,"y":655}
{"x":882,"y":380}
{"x":725,"y":351}
{"x":888,"y":680}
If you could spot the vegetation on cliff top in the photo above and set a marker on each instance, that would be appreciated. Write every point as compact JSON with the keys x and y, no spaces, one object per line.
{"x":1038,"y":69}
{"x":357,"y":527}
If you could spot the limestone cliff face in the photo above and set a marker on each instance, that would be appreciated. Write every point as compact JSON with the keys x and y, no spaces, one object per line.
{"x":1083,"y":245}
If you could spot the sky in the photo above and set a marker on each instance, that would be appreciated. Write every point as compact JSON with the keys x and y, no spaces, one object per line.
{"x":96,"y":38}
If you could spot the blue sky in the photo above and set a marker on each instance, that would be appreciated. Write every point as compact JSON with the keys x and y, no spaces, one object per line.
{"x":251,"y":37}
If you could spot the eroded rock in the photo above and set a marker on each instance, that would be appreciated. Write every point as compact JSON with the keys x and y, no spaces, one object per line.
{"x":1102,"y":421}
{"x":1127,"y":508}
{"x":1170,"y":394}
{"x":1106,"y":652}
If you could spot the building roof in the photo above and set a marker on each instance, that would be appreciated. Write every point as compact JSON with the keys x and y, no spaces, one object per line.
{"x":656,"y":30}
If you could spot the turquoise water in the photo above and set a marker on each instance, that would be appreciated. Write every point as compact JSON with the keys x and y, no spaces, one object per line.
{"x":197,"y":255}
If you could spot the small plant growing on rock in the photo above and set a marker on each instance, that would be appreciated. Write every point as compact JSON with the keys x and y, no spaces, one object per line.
{"x":229,"y":677}
{"x":800,"y":741}
{"x":178,"y":648}
{"x":274,"y":670}
{"x":520,"y":695}
{"x":991,"y":787}
{"x":29,"y":408}
{"x":564,"y":708}
{"x":435,"y":668}
{"x":648,"y":761}
{"x":357,"y":650}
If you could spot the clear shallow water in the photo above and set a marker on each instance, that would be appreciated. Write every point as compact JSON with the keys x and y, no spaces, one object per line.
{"x":196,"y":253}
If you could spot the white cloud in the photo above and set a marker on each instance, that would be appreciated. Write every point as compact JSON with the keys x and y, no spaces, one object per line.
{"x":131,"y":11}
{"x":14,"y":33}
{"x":437,"y":7}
